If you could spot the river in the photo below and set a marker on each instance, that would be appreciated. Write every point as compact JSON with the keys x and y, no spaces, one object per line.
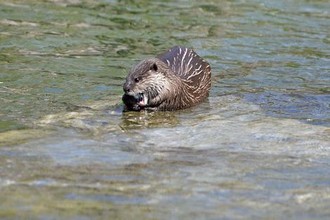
{"x":258,"y":148}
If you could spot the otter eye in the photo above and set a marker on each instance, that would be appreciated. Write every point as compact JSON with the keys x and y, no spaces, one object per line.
{"x":136,"y":79}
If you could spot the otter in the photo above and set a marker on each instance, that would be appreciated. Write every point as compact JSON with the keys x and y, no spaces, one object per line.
{"x":174,"y":80}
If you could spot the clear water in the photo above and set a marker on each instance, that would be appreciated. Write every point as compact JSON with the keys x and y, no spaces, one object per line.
{"x":258,"y":148}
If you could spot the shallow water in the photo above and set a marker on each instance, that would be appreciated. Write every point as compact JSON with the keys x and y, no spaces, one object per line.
{"x":259,"y":147}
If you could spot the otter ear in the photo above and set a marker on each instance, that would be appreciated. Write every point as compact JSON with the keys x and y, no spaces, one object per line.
{"x":154,"y":67}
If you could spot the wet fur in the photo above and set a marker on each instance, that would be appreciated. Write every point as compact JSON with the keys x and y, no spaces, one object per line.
{"x":174,"y":80}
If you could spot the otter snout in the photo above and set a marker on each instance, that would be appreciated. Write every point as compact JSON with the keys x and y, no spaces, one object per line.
{"x":127,"y":87}
{"x":131,"y":99}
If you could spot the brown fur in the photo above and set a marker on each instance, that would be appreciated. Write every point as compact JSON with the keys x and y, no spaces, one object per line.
{"x":174,"y":80}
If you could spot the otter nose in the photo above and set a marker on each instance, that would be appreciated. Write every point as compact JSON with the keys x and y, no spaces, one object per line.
{"x":126,"y":88}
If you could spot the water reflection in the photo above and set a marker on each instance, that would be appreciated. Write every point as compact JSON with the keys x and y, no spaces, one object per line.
{"x":309,"y":108}
{"x":144,"y":119}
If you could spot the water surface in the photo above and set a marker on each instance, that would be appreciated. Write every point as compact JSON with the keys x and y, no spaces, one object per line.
{"x":259,"y":147}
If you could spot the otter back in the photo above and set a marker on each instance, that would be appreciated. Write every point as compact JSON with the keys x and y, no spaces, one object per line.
{"x":191,"y":68}
{"x":185,"y":62}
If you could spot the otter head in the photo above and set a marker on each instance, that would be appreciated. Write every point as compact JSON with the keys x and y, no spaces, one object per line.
{"x":144,"y":86}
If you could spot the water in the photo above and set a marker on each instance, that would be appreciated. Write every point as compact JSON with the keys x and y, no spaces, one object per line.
{"x":259,"y":147}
